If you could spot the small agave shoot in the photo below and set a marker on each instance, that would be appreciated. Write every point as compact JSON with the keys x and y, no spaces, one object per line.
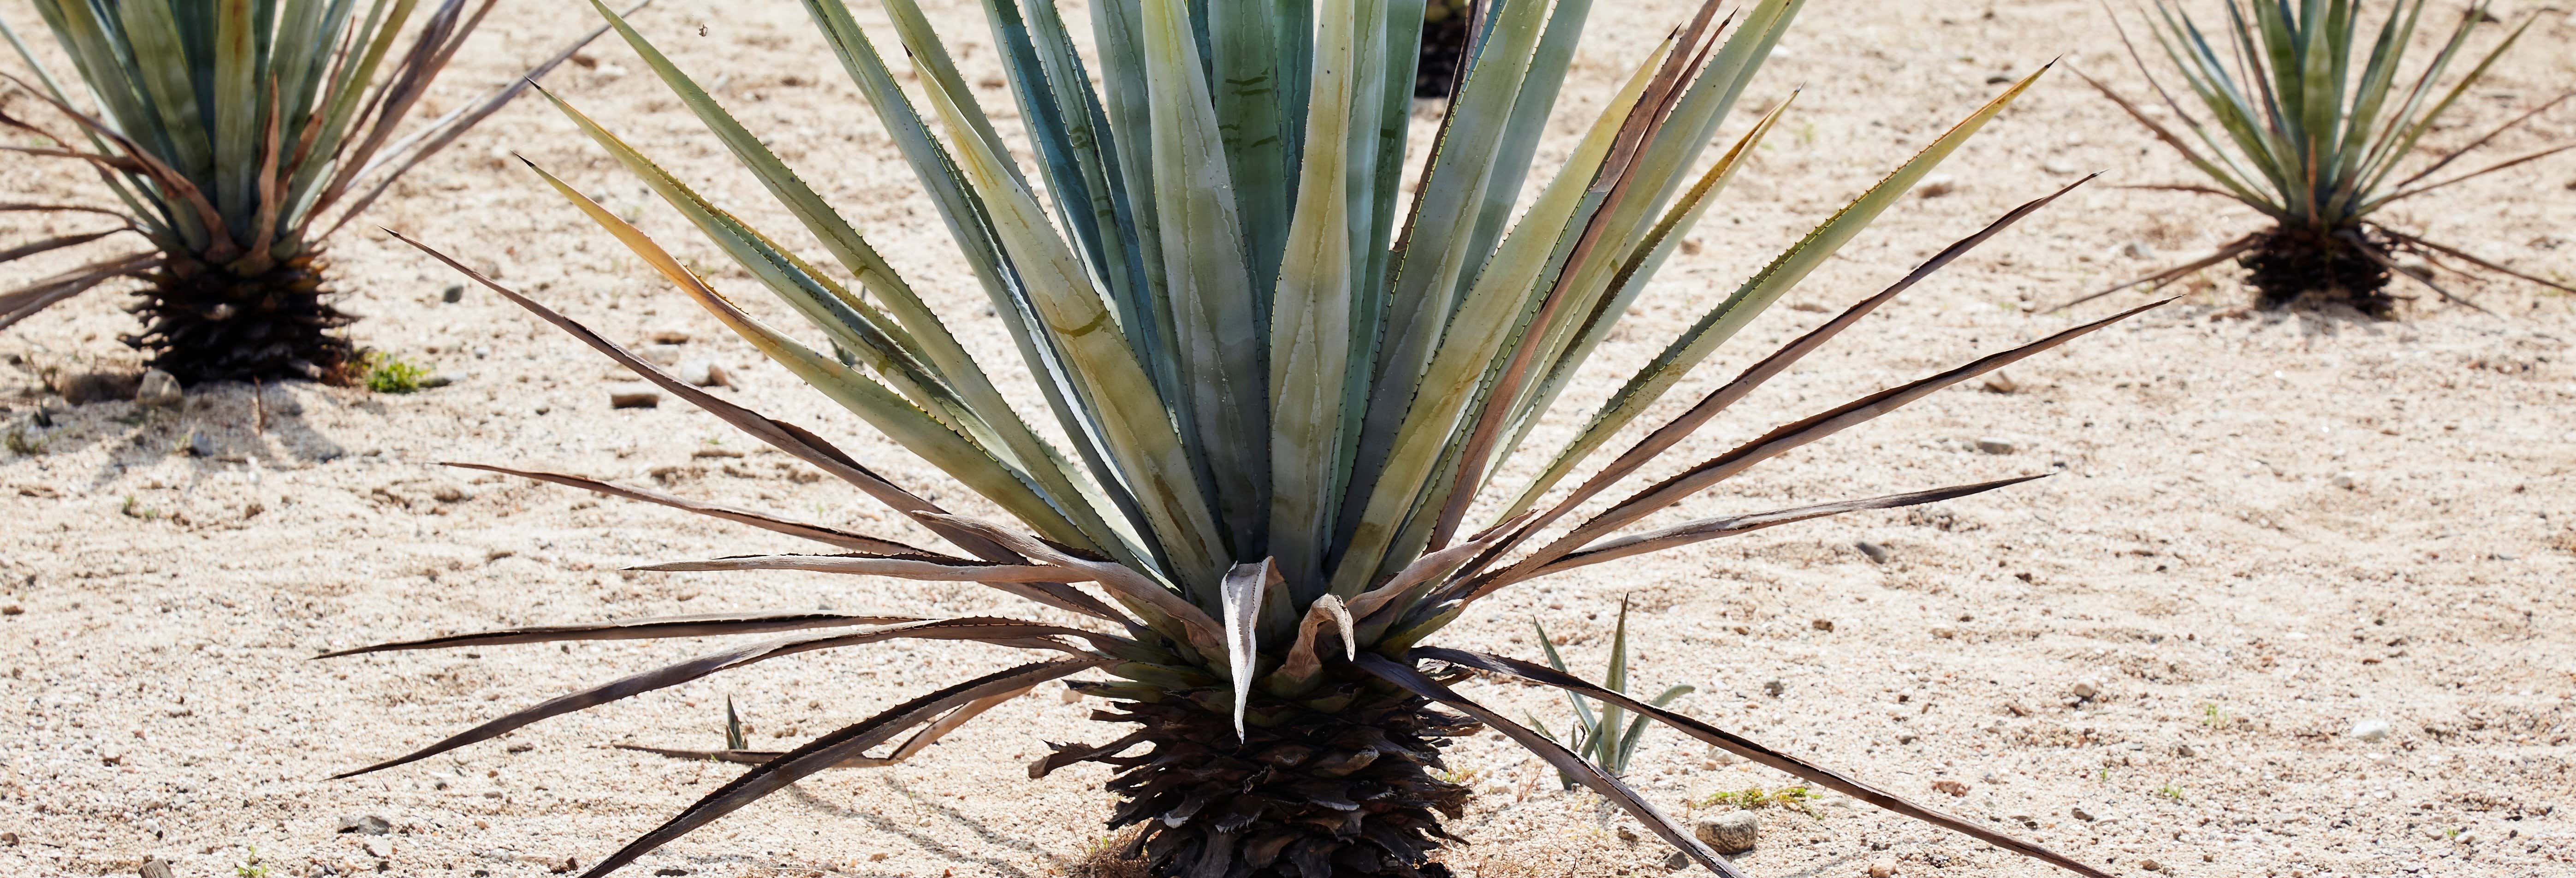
{"x":1278,"y":422}
{"x":2308,"y":134}
{"x":236,"y":138}
{"x":1596,"y":732}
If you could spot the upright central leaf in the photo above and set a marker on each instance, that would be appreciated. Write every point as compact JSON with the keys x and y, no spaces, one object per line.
{"x":1215,"y":309}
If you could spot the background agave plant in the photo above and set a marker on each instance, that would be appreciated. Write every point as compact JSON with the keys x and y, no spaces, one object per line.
{"x":1284,"y":390}
{"x":236,"y":137}
{"x":2307,"y":134}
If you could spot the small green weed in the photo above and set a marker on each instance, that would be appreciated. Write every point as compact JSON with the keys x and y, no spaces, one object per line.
{"x":24,"y":440}
{"x":2170,"y":791}
{"x":387,"y":373}
{"x":1752,"y":798}
{"x":250,"y":866}
{"x":135,"y":509}
{"x":2213,"y":717}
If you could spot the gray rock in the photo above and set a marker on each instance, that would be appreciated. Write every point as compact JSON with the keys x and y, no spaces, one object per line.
{"x":158,"y":388}
{"x":1730,"y":833}
{"x":700,"y":373}
{"x":2086,"y":689}
{"x":1992,"y":445}
{"x":154,"y":867}
{"x":1773,"y":688}
{"x":2138,"y":250}
{"x":1676,"y":862}
{"x":453,"y":294}
{"x":2370,"y":729}
{"x":2342,"y":480}
{"x":2061,"y":167}
{"x":366,"y":824}
{"x":1878,"y":554}
{"x":201,"y":445}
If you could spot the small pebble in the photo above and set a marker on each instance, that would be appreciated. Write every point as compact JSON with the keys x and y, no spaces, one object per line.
{"x":1731,"y":833}
{"x":1676,"y":862}
{"x":453,"y":294}
{"x":158,"y":389}
{"x":2138,"y":250}
{"x":1822,"y":624}
{"x":1877,"y":553}
{"x":1883,"y":868}
{"x":2370,"y":729}
{"x":700,"y":373}
{"x":441,"y":379}
{"x":660,"y":354}
{"x":201,"y":445}
{"x":668,"y":335}
{"x":634,"y":399}
{"x":2079,"y":813}
{"x":2151,"y":865}
{"x":1773,"y":688}
{"x":2086,"y":689}
{"x":1992,"y":445}
{"x":368,"y":824}
{"x":2061,"y":167}
{"x":2342,"y":480}
{"x":154,"y":867}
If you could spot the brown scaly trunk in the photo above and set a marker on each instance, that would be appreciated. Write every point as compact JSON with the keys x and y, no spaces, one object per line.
{"x":1312,"y":795}
{"x":203,"y":322}
{"x":2311,"y":267}
{"x":1444,"y":48}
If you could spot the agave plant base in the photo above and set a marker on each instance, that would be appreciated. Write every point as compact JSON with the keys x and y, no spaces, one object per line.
{"x":1341,"y":791}
{"x":2295,"y":267}
{"x":205,"y":322}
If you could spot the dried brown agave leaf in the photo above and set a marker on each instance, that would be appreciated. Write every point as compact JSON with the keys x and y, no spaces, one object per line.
{"x":820,"y":533}
{"x":833,"y":749}
{"x":1805,"y":770}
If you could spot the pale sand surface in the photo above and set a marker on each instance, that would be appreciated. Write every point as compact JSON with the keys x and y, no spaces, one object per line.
{"x":2265,"y":531}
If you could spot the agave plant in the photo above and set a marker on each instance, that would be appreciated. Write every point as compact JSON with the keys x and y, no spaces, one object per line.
{"x":1595,"y":734}
{"x":2306,"y":133}
{"x":1279,"y":421}
{"x":236,"y":138}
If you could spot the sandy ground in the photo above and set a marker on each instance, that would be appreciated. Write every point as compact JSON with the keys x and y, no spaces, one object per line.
{"x":2266,"y":531}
